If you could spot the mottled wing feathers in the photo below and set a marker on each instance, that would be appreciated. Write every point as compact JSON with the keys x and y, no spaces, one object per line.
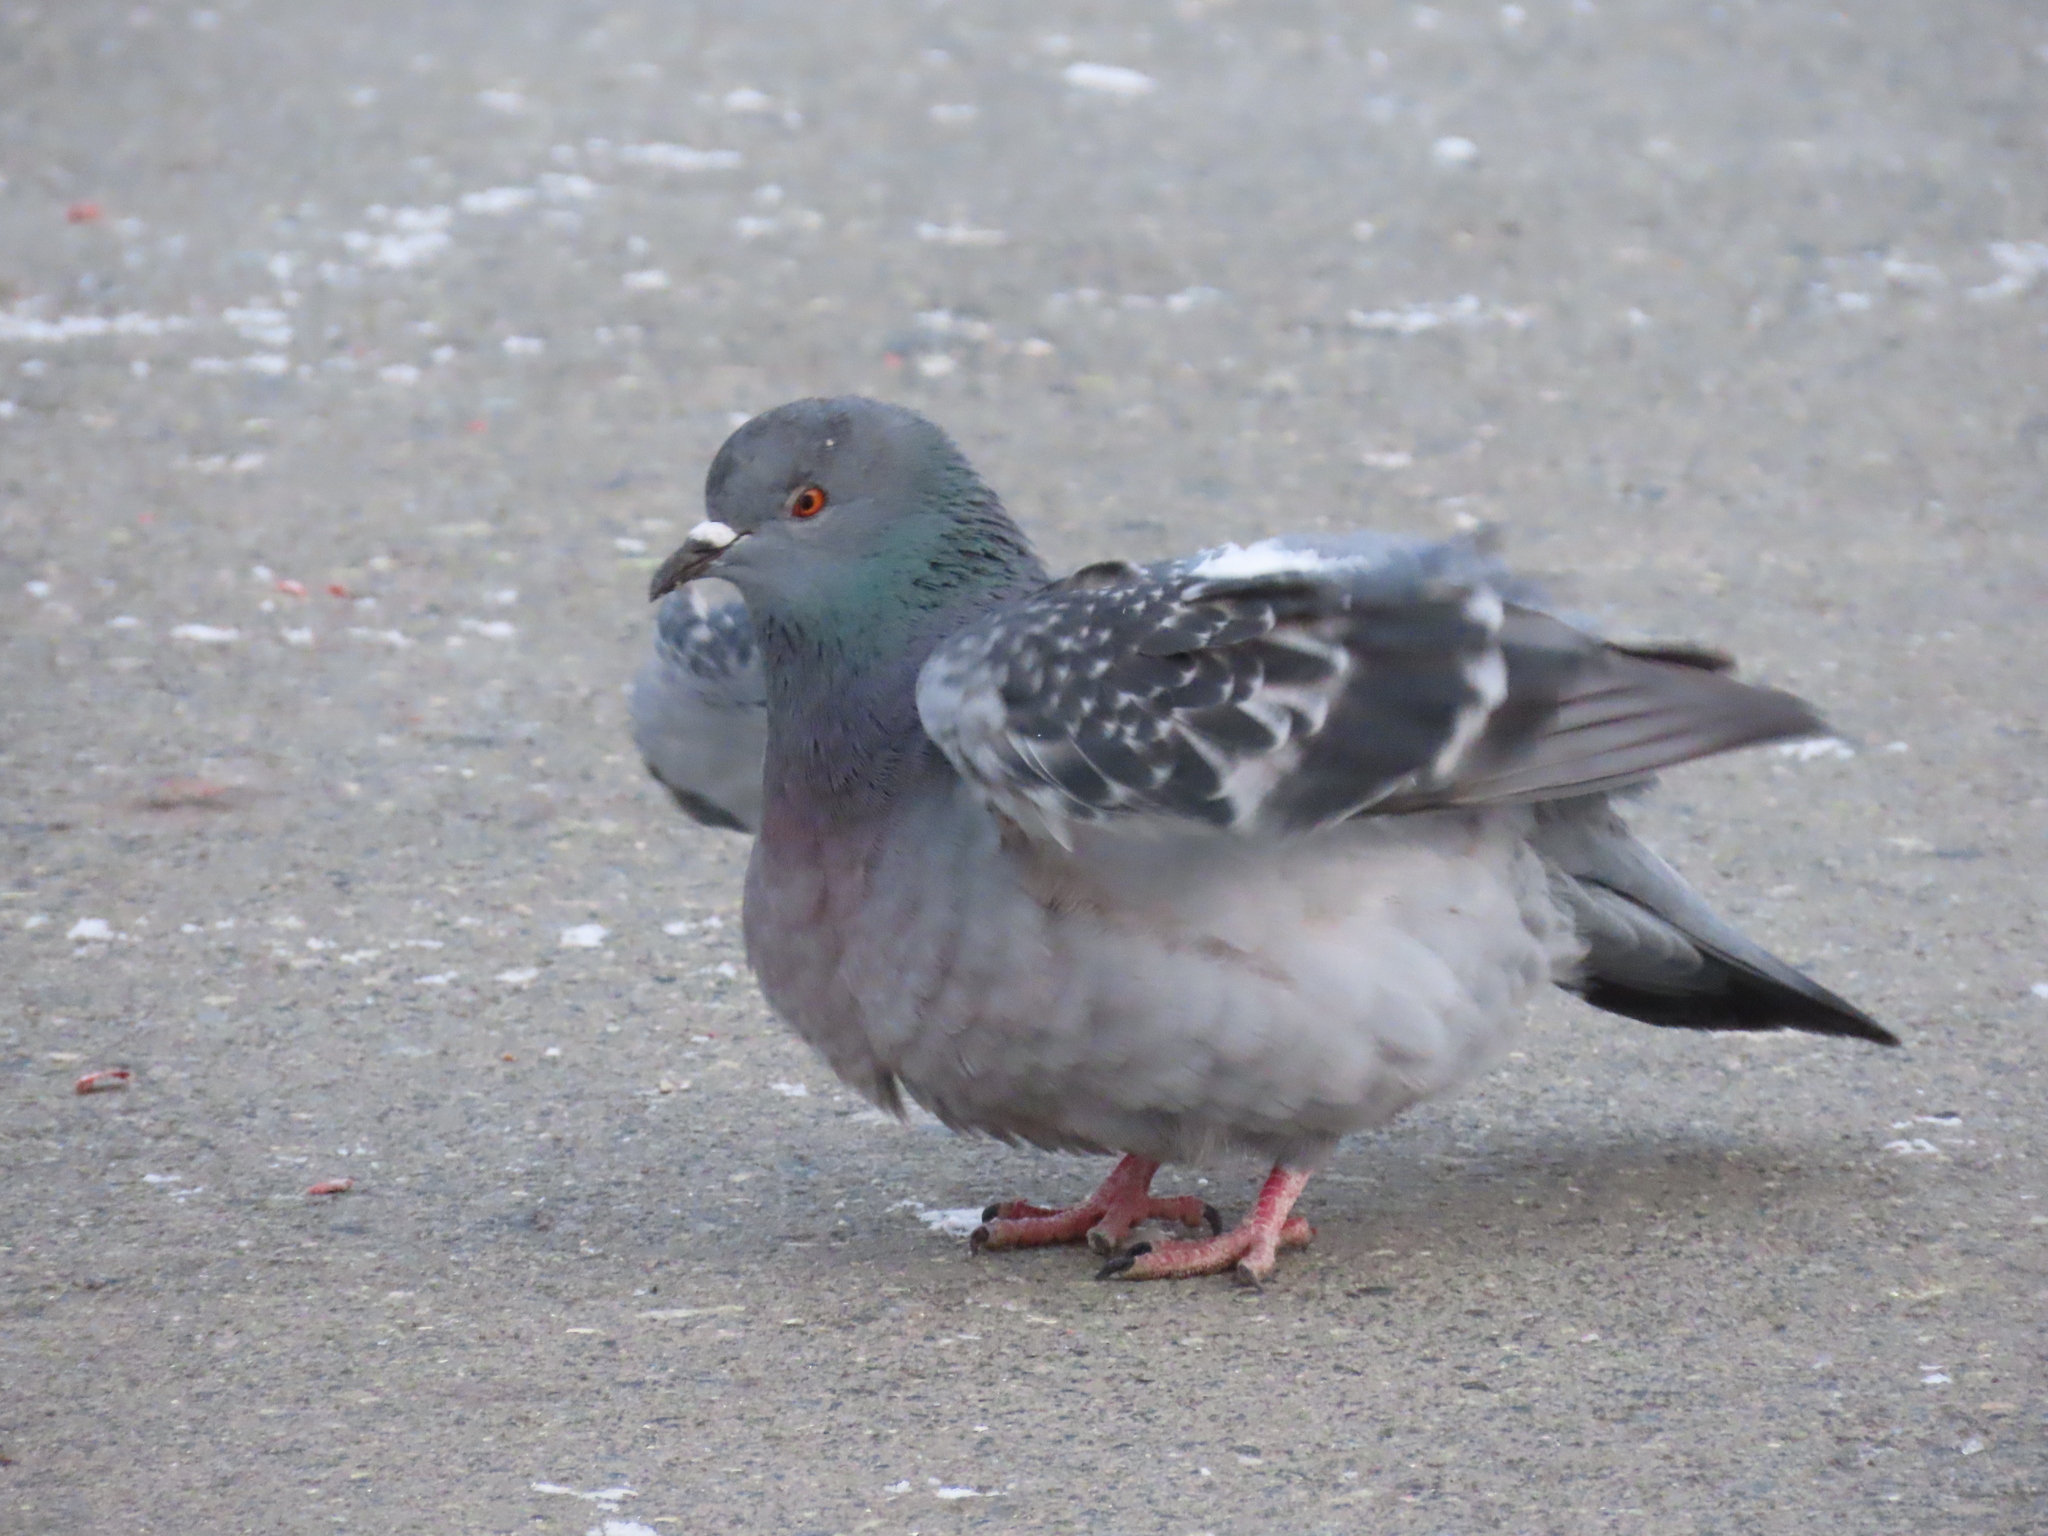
{"x":1582,"y":715}
{"x":715,"y":645}
{"x":1283,"y":687}
{"x":1273,"y":687}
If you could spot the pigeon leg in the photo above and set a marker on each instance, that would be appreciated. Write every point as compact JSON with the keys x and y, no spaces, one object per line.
{"x":1249,"y":1247}
{"x":1103,"y":1219}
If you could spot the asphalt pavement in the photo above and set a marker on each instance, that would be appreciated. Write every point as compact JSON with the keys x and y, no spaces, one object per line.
{"x":356,"y":364}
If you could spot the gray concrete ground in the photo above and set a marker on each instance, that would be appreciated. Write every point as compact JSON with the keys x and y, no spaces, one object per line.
{"x":436,"y":311}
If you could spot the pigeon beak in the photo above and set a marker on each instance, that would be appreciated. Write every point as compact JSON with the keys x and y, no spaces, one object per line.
{"x":699,"y":552}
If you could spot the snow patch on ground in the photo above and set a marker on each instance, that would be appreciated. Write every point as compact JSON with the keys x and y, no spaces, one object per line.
{"x":679,"y":157}
{"x":603,"y":1498}
{"x":17,"y":325}
{"x":1465,"y":312}
{"x":960,"y":234}
{"x":496,"y":200}
{"x":1109,"y":80}
{"x":2021,"y":266}
{"x":953,"y":1223}
{"x":1807,"y":751}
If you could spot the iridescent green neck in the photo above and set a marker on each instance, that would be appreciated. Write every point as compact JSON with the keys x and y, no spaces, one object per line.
{"x":841,"y":659}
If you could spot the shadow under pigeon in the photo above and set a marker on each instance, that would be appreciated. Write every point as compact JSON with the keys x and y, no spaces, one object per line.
{"x":1563,"y":1200}
{"x":1522,"y":1203}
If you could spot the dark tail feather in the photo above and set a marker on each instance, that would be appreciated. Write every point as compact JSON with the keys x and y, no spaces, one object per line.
{"x":1656,"y":952}
{"x":1728,"y":995}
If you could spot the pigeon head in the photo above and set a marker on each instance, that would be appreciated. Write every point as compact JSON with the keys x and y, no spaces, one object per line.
{"x":848,"y":516}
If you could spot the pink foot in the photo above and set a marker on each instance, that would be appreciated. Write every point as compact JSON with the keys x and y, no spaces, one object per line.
{"x":1251,"y":1247}
{"x":1104,"y":1219}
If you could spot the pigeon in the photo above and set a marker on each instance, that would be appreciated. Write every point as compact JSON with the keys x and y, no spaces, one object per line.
{"x":700,"y":712}
{"x":1234,"y":853}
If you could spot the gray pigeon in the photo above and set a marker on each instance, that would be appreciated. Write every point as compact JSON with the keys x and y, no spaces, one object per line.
{"x":1238,"y":852}
{"x":700,"y":711}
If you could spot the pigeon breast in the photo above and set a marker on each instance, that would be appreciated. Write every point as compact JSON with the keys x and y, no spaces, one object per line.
{"x":1174,"y":996}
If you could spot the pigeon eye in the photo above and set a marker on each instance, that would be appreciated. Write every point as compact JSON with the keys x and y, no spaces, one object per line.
{"x":808,"y":502}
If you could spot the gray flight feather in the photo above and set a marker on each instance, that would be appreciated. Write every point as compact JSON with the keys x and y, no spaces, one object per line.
{"x":700,"y":711}
{"x":1245,"y":850}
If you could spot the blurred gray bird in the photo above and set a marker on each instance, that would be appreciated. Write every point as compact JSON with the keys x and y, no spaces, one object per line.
{"x":700,"y":711}
{"x":1238,"y":852}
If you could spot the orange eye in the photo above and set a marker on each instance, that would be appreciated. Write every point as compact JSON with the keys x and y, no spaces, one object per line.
{"x":808,"y":502}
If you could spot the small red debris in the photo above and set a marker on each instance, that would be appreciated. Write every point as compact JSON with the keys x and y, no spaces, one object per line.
{"x":336,"y":589}
{"x":103,"y":1082}
{"x":508,"y":1056}
{"x":477,"y":427}
{"x":82,"y":213}
{"x":187,"y":793}
{"x":331,"y":1187}
{"x":892,"y":360}
{"x":292,"y":588}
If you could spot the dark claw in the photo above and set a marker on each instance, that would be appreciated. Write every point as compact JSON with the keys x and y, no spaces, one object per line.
{"x":1215,"y":1219}
{"x":978,"y":1238}
{"x":1247,"y":1280}
{"x":1122,"y":1262}
{"x":992,"y":1210}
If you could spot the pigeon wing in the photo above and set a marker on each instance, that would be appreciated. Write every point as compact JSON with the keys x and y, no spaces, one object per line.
{"x":1283,"y":687}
